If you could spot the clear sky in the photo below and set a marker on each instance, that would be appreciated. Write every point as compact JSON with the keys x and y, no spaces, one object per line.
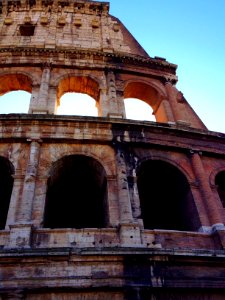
{"x":191,"y":34}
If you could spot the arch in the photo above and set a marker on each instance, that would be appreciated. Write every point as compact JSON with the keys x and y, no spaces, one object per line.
{"x":78,"y":84}
{"x":150,"y":94}
{"x":106,"y":159}
{"x":13,"y":89}
{"x":177,"y":165}
{"x":214,"y":173}
{"x":14,"y":82}
{"x":77,"y":104}
{"x":15,"y":102}
{"x":81,"y":85}
{"x":76,"y":194}
{"x":165,"y":197}
{"x":220,"y":184}
{"x":6,"y":185}
{"x":138,"y":110}
{"x":156,"y":85}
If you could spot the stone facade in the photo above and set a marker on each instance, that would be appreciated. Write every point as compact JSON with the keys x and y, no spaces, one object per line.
{"x":102,"y":208}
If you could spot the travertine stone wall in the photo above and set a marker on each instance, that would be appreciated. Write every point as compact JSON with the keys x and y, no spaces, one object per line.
{"x":52,"y":47}
{"x":44,"y":140}
{"x":80,"y":26}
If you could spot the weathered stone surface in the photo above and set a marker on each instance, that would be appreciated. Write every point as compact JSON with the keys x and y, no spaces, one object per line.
{"x":77,"y":168}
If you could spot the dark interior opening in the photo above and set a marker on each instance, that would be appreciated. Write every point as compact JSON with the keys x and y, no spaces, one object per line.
{"x":76,"y":194}
{"x":165,"y":196}
{"x":27,"y":30}
{"x":6,"y":185}
{"x":220,"y":182}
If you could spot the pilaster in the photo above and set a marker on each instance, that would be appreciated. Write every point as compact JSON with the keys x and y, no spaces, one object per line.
{"x":172,"y":97}
{"x":213,"y":212}
{"x":103,"y":105}
{"x":129,"y":229}
{"x":42,"y":101}
{"x":113,"y":100}
{"x":24,"y":214}
{"x":163,"y":113}
{"x":15,"y":198}
{"x":21,"y":229}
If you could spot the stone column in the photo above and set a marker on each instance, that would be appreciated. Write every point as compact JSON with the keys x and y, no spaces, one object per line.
{"x":210,"y":202}
{"x":20,"y":231}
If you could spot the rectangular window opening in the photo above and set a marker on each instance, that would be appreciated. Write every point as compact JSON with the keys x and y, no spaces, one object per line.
{"x":27,"y":30}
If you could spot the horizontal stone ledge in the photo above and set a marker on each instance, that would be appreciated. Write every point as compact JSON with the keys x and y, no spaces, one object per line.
{"x":117,"y":251}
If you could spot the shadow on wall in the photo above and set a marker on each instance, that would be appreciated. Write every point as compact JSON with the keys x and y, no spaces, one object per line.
{"x":6,"y":185}
{"x":166,"y":198}
{"x":76,"y":194}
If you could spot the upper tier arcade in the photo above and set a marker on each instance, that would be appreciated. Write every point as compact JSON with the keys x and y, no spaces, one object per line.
{"x":49,"y":48}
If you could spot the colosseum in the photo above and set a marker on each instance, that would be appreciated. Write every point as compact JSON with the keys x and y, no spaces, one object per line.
{"x":101,"y":208}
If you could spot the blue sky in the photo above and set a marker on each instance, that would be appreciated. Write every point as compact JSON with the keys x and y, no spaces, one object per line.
{"x":191,"y":34}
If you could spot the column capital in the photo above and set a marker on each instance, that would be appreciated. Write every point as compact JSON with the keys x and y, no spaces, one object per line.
{"x":46,"y":65}
{"x":192,"y":152}
{"x":171,"y":82}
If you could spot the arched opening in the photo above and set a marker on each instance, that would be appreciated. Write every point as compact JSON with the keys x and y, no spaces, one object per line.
{"x":76,"y":194}
{"x":16,"y":102}
{"x":165,"y":196}
{"x":77,"y":104}
{"x":138,"y":110}
{"x":149,"y":95}
{"x":78,"y":95}
{"x":15,"y":93}
{"x":6,"y":185}
{"x":220,"y":183}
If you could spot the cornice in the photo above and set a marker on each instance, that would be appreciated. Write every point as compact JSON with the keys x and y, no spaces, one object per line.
{"x":107,"y":57}
{"x":141,"y":134}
